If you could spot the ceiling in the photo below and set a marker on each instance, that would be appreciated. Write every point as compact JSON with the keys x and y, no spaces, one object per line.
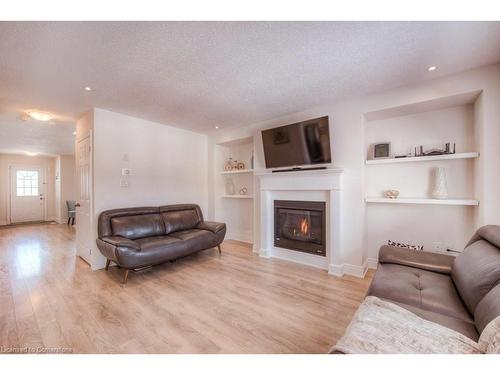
{"x":196,"y":75}
{"x":45,"y":138}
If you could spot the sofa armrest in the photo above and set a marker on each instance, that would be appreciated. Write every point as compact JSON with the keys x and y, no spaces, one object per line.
{"x":441,"y":263}
{"x":120,"y":241}
{"x":211,"y":226}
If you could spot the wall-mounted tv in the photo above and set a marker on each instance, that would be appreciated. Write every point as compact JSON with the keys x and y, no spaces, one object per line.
{"x":303,"y":143}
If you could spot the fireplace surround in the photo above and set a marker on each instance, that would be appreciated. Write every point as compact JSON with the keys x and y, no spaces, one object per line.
{"x":311,"y":186}
{"x":300,"y":226}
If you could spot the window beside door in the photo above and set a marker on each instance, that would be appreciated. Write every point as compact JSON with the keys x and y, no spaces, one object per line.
{"x":27,"y":183}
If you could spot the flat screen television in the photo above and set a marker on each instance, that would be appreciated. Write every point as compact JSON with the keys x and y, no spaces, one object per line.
{"x":303,"y":143}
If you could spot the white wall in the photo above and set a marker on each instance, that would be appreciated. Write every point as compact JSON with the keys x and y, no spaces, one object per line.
{"x":7,"y":160}
{"x":169,"y":165}
{"x":347,"y":124}
{"x":65,"y":185}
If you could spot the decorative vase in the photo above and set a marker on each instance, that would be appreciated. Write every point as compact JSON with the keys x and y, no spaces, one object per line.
{"x":230,"y":189}
{"x":439,"y":189}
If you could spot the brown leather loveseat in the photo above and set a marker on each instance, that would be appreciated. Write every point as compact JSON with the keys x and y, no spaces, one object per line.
{"x":140,"y":237}
{"x":461,"y":293}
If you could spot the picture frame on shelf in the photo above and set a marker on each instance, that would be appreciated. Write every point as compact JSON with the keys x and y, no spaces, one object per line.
{"x":381,"y":150}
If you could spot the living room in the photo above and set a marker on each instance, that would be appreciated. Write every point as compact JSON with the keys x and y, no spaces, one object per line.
{"x":250,"y":187}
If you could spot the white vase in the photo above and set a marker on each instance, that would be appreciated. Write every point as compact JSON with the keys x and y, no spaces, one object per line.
{"x":439,"y":189}
{"x":230,"y":189}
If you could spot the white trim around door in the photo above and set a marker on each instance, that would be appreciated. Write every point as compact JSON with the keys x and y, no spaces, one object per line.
{"x":41,"y":193}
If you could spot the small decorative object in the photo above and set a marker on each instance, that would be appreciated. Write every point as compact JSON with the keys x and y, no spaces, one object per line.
{"x":230,"y":189}
{"x":240,"y":165}
{"x":405,"y":245}
{"x":391,"y":194}
{"x":229,"y":164}
{"x":243,"y":191}
{"x":381,"y":150}
{"x":435,"y":151}
{"x":439,"y":188}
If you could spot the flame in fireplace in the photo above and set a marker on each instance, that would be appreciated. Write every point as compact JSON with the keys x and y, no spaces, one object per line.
{"x":304,"y":226}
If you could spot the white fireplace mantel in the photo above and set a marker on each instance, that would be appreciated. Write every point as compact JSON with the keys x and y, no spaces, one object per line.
{"x":313,"y":185}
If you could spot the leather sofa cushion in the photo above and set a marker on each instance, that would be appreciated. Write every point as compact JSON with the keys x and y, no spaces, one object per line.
{"x":488,"y":309}
{"x":197,"y":239}
{"x":122,"y":242}
{"x":156,"y":250}
{"x":466,"y":328}
{"x":476,"y":271}
{"x":423,"y":289}
{"x":138,"y":226}
{"x":180,"y":220}
{"x":211,"y":226}
{"x":419,"y":259}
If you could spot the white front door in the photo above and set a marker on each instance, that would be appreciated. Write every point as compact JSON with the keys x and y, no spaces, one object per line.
{"x":27,"y":195}
{"x":83,"y":219}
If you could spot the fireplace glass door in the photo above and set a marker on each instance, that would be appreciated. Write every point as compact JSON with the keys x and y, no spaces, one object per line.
{"x":300,"y":226}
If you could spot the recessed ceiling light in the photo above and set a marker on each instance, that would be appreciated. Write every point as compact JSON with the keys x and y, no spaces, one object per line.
{"x":216,"y":126}
{"x":88,"y":88}
{"x":432,"y":68}
{"x":41,"y":116}
{"x":31,"y":153}
{"x":74,"y":133}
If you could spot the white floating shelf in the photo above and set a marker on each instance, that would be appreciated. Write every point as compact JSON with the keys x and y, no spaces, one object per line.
{"x":449,"y":202}
{"x":463,"y":155}
{"x":239,"y":171}
{"x":238,"y":196}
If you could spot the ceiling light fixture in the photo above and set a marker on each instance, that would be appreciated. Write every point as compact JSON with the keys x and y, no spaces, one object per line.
{"x":31,"y":153}
{"x":41,"y":116}
{"x":216,"y":126}
{"x":87,"y":88}
{"x":74,"y":133}
{"x":432,"y":68}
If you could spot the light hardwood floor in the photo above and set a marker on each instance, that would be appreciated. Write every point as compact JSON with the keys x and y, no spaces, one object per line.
{"x":236,"y":302}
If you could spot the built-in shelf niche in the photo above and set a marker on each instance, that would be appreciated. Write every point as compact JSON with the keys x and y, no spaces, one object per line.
{"x":414,"y":216}
{"x":237,"y":210}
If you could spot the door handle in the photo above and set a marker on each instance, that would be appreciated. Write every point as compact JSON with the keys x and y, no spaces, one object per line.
{"x":77,"y":205}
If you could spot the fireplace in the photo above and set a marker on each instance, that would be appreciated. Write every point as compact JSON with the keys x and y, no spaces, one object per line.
{"x":300,"y":226}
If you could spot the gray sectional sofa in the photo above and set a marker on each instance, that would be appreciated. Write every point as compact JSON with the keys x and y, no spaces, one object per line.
{"x":461,"y":293}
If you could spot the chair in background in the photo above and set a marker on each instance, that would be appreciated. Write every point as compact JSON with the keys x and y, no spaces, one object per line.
{"x":71,"y":211}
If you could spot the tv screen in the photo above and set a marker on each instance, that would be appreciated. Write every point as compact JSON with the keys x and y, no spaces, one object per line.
{"x":303,"y":143}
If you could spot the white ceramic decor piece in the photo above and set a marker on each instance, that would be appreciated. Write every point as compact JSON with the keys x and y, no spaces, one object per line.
{"x":439,"y":189}
{"x":230,"y":189}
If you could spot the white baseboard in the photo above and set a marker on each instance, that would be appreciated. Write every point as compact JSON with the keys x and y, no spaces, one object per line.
{"x":372,"y":263}
{"x":239,"y":237}
{"x":264,"y":253}
{"x":340,"y":270}
{"x":336,"y":270}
